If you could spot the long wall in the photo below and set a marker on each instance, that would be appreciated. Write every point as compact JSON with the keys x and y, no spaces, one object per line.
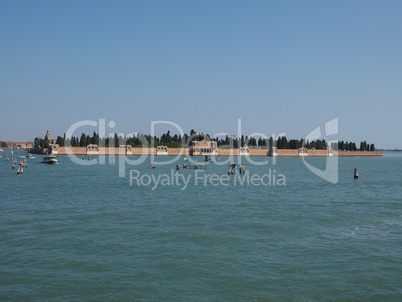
{"x":114,"y":151}
{"x":358,"y":153}
{"x":221,"y":152}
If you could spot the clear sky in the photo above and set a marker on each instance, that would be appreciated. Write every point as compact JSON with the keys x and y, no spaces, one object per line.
{"x":280,"y":66}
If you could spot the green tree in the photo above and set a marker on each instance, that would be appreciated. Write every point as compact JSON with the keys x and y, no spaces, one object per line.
{"x":46,"y":142}
{"x":235,"y":143}
{"x":116,"y":141}
{"x":95,"y":139}
{"x":37,"y":142}
{"x":285,"y":142}
{"x":271,"y":142}
{"x":60,"y":141}
{"x":83,"y":140}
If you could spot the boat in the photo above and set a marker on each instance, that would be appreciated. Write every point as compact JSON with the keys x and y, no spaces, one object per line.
{"x":28,"y":155}
{"x":1,"y":150}
{"x":49,"y":159}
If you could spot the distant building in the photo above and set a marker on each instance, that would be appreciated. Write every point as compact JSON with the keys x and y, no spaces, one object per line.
{"x":244,"y":150}
{"x":51,"y":140}
{"x":128,"y":149}
{"x":53,"y":149}
{"x":303,"y":152}
{"x":161,"y":150}
{"x":273,"y":151}
{"x":17,"y":145}
{"x":92,"y":149}
{"x":203,"y":147}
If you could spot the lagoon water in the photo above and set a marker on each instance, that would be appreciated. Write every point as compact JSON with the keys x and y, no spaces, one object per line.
{"x":72,"y":232}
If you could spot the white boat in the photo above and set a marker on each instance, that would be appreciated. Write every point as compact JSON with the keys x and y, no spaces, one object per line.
{"x":49,"y":159}
{"x":1,"y":150}
{"x":28,"y":155}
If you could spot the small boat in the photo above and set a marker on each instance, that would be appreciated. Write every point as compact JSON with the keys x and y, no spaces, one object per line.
{"x":28,"y":155}
{"x":49,"y":159}
{"x":1,"y":150}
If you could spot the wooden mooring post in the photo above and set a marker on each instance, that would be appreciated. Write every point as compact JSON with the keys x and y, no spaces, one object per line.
{"x":232,"y":169}
{"x":20,"y":168}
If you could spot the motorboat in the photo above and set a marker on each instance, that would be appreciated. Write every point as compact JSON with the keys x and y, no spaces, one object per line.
{"x":49,"y":159}
{"x":28,"y":155}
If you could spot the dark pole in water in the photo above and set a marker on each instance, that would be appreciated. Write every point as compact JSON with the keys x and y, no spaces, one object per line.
{"x":356,"y":173}
{"x":20,"y":168}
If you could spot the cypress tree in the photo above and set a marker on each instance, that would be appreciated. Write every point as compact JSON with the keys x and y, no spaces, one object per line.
{"x":116,"y":140}
{"x":83,"y":140}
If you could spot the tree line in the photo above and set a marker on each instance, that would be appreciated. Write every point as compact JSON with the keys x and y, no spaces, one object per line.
{"x":350,"y":146}
{"x":177,"y":141}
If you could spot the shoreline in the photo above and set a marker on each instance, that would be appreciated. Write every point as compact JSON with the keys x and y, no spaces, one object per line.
{"x":145,"y":151}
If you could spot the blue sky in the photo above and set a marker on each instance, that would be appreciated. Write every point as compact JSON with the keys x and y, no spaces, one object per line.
{"x":280,"y":66}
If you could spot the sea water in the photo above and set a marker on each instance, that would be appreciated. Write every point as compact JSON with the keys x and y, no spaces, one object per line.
{"x":81,"y":232}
